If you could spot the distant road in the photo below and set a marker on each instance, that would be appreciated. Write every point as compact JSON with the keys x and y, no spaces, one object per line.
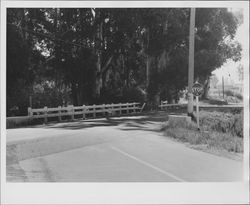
{"x":127,"y":149}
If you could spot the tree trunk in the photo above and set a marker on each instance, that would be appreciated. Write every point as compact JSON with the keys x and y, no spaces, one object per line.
{"x":98,"y":76}
{"x":206,"y":88}
{"x":147,"y":61}
{"x":123,"y":68}
{"x":74,"y":93}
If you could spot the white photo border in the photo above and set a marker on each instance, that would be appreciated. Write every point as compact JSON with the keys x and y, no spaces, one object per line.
{"x":123,"y":193}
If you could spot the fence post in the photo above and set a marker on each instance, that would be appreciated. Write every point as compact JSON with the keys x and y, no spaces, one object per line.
{"x":127,"y":108}
{"x":59,"y":114}
{"x":72,"y":111}
{"x":134,"y":107}
{"x":112,"y":109}
{"x":45,"y":114}
{"x":120,"y":111}
{"x":83,"y":112}
{"x":94,"y":113}
{"x":104,"y":110}
{"x":30,"y":113}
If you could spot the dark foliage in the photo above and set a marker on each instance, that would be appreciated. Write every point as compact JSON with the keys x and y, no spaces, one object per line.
{"x":103,"y":55}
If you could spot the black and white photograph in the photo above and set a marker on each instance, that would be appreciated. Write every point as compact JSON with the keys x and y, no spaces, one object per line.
{"x":154,"y":93}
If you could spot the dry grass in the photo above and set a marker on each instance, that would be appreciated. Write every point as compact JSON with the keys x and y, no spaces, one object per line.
{"x":230,"y":123}
{"x":218,"y":130}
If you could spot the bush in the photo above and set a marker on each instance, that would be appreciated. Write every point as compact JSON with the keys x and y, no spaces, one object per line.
{"x":222,"y":122}
{"x":239,"y":96}
{"x":234,"y":97}
{"x":214,"y":101}
{"x":229,"y":92}
{"x":210,"y":139}
{"x":218,"y":130}
{"x":238,"y":125}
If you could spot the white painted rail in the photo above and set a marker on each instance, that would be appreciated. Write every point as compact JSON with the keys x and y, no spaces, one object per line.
{"x":166,"y":106}
{"x":85,"y":110}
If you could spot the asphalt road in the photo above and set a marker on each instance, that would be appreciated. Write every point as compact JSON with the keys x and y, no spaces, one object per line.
{"x":128,"y":149}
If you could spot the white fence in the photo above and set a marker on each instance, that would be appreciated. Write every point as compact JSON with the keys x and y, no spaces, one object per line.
{"x":165,"y":106}
{"x":85,"y":111}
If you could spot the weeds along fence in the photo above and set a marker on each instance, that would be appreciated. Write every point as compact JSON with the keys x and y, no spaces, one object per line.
{"x":84,"y":111}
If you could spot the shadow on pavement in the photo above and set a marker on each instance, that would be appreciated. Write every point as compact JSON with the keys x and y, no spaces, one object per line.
{"x":149,"y":122}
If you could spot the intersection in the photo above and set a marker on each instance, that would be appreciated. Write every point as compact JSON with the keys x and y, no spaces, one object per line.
{"x":122,"y":149}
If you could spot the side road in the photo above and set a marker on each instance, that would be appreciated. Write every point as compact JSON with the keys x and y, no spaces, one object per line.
{"x":126,"y":149}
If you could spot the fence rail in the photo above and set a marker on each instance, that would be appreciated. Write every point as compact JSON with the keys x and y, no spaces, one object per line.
{"x":166,"y":106}
{"x":84,"y":110}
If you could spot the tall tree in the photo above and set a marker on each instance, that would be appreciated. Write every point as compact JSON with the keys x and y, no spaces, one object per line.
{"x":99,"y":55}
{"x":23,"y":60}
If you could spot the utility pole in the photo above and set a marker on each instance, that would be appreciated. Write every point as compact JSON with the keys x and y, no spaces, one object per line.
{"x":148,"y":60}
{"x":191,"y":62}
{"x":223,"y":86}
{"x":30,"y":101}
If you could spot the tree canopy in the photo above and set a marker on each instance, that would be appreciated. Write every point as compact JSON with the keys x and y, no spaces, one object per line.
{"x":61,"y":56}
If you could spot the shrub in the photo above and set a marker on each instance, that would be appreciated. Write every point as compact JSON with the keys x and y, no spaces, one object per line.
{"x":229,"y":92}
{"x":210,"y":139}
{"x":239,"y":96}
{"x":222,"y":122}
{"x":232,"y":99}
{"x":214,"y":101}
{"x":218,"y":130}
{"x":238,"y":124}
{"x":233,"y":96}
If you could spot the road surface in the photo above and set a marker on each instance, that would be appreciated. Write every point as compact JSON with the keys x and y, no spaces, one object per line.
{"x":126,"y":149}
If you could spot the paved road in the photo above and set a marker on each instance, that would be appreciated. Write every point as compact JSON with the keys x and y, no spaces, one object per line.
{"x":128,"y":149}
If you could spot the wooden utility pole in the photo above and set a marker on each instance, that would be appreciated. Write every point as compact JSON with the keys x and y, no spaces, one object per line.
{"x":191,"y":62}
{"x":223,"y":86}
{"x":99,"y":38}
{"x":30,"y":101}
{"x":148,"y":59}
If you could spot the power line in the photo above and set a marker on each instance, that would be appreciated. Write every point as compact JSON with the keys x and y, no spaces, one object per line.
{"x":51,"y":37}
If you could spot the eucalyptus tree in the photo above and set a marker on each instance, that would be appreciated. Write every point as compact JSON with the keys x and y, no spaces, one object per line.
{"x":168,"y":46}
{"x":23,"y":59}
{"x":98,"y":55}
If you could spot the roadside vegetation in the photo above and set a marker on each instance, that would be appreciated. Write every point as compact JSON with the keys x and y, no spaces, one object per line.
{"x":76,"y":56}
{"x":218,"y":131}
{"x":229,"y":97}
{"x":233,"y":97}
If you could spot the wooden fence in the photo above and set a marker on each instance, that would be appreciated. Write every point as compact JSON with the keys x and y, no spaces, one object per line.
{"x":85,"y":111}
{"x":165,"y":106}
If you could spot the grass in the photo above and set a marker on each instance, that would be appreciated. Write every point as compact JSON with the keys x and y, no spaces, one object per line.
{"x":229,"y":97}
{"x":221,"y":131}
{"x":214,"y":101}
{"x":233,"y":94}
{"x":230,"y":123}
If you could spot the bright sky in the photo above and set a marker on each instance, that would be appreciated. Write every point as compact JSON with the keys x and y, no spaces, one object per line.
{"x":229,"y":70}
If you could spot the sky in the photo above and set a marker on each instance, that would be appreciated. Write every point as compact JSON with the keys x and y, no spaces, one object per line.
{"x":229,"y":70}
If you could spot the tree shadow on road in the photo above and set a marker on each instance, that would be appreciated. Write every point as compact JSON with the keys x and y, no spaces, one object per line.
{"x":148,"y":122}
